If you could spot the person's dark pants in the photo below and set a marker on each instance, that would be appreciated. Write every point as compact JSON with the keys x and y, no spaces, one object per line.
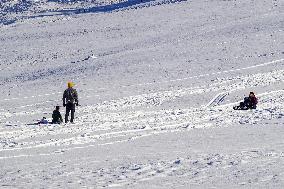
{"x":70,"y":107}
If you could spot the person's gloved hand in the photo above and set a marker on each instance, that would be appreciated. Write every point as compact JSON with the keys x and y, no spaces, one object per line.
{"x":64,"y":104}
{"x":77,"y":103}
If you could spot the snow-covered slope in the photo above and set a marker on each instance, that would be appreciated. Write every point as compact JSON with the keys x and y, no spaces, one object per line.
{"x":12,"y":11}
{"x":150,"y":76}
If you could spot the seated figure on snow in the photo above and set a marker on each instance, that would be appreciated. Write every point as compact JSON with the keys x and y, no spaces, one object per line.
{"x":56,"y":116}
{"x":249,"y":102}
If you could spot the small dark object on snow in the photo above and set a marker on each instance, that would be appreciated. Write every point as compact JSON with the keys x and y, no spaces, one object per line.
{"x":43,"y":121}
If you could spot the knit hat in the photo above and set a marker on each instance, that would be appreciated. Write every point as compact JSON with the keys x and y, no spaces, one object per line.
{"x":70,"y":84}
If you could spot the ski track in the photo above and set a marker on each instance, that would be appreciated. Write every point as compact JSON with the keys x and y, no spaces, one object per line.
{"x":155,"y":83}
{"x":261,"y":79}
{"x":116,"y":121}
{"x":60,"y":156}
{"x":196,"y":168}
{"x":199,"y":168}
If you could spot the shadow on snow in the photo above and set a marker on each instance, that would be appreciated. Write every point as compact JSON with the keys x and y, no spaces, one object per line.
{"x":134,"y":4}
{"x":15,"y":8}
{"x":117,"y":6}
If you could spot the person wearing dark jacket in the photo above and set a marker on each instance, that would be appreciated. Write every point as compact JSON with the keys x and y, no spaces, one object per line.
{"x":56,"y":116}
{"x":70,"y":99}
{"x":249,"y":102}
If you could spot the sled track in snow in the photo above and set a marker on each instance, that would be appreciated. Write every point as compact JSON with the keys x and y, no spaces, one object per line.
{"x":110,"y":128}
{"x":157,"y":128}
{"x":157,"y":123}
{"x":121,"y":120}
{"x":153,"y":96}
{"x":243,"y":82}
{"x":158,"y":82}
{"x":155,"y":99}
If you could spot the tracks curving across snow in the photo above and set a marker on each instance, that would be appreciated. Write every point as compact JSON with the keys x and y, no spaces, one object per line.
{"x":127,"y":119}
{"x":157,"y":81}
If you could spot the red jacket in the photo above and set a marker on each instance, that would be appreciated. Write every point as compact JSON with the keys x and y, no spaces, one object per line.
{"x":253,"y":100}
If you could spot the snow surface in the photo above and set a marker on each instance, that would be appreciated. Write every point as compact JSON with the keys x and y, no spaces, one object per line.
{"x":151,"y":76}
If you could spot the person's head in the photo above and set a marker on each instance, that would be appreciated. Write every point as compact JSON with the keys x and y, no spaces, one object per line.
{"x":57,"y":108}
{"x":44,"y":118}
{"x":251,"y":94}
{"x":70,"y":84}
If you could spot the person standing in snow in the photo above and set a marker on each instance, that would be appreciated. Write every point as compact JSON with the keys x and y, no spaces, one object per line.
{"x":70,"y":99}
{"x":56,"y":116}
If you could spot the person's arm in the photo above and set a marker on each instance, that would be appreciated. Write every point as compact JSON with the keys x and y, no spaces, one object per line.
{"x":76,"y":97}
{"x":53,"y":115}
{"x":63,"y":99}
{"x":256,"y":100}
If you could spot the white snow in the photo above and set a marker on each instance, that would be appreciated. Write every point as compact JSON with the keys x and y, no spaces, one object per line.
{"x":157,"y":81}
